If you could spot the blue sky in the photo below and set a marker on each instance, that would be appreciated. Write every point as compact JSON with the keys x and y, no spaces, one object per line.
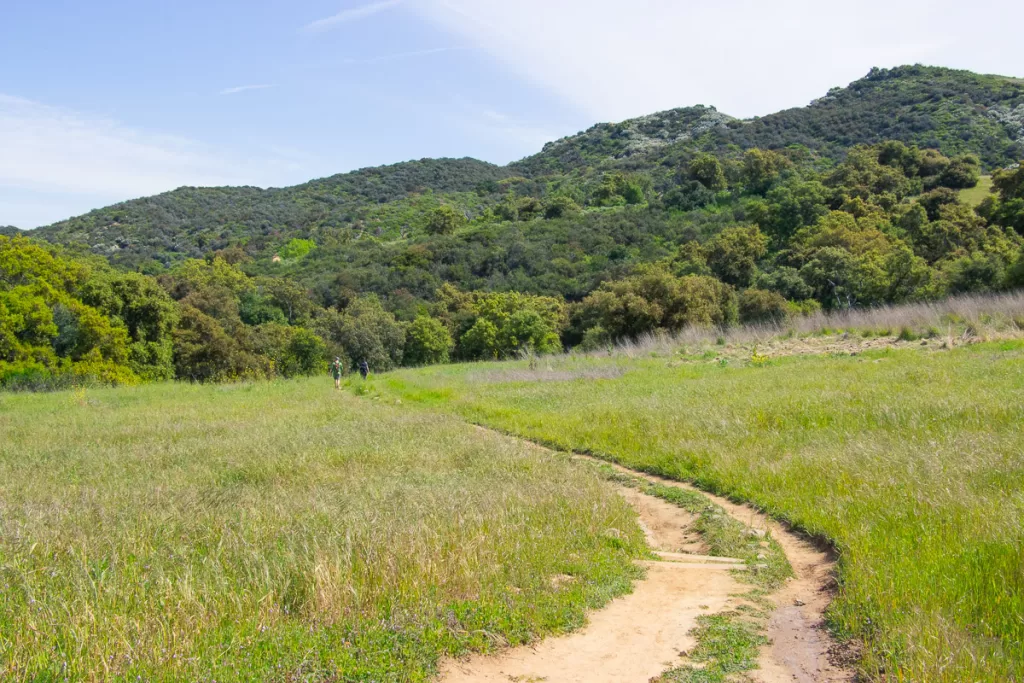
{"x":109,"y":100}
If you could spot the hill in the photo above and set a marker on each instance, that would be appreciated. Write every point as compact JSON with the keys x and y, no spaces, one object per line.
{"x":685,"y":218}
{"x":955,"y":112}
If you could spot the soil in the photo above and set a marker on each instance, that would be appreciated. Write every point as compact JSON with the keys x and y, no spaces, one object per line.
{"x":641,"y":635}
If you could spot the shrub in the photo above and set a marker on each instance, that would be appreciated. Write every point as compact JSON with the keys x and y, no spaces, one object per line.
{"x":297,"y":249}
{"x":444,"y":220}
{"x":761,"y":306}
{"x":561,"y":207}
{"x":656,"y":299}
{"x":427,"y":342}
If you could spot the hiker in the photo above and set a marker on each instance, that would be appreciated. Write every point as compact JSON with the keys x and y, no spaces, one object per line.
{"x":336,"y":370}
{"x":364,"y":368}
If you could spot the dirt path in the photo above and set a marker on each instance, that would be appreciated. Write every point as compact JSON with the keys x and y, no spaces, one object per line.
{"x":801,"y":650}
{"x":639,"y":636}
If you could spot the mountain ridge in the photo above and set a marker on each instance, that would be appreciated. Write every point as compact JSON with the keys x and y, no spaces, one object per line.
{"x":954,"y":111}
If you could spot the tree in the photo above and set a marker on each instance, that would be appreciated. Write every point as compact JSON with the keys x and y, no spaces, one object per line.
{"x":786,"y":282}
{"x":204,"y":351}
{"x":561,"y":206}
{"x":427,"y":342}
{"x":689,"y":196}
{"x":307,"y":353}
{"x":962,"y":172}
{"x":707,"y":170}
{"x":297,"y":249}
{"x":501,"y":324}
{"x":365,"y":331}
{"x":655,"y":299}
{"x":788,"y":207}
{"x":733,"y":254}
{"x":618,"y":189}
{"x":146,"y":310}
{"x":444,"y":220}
{"x":1008,"y":209}
{"x":761,"y":168}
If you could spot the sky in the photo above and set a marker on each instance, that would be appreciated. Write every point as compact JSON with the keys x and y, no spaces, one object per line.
{"x":115,"y":99}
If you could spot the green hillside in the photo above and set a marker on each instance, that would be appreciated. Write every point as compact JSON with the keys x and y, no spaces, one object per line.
{"x":955,"y":112}
{"x":873,"y":195}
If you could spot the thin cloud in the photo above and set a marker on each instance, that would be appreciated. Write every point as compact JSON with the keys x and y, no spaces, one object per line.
{"x":403,"y":55}
{"x":244,"y":88}
{"x":611,"y":64}
{"x":60,"y":162}
{"x":492,"y":124}
{"x":351,"y":14}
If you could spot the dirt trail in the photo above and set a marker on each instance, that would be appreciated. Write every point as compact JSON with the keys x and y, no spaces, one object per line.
{"x":801,"y":650}
{"x":639,"y":636}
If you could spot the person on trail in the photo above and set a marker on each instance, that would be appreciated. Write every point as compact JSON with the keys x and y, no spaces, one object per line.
{"x":336,"y":369}
{"x":364,"y":368}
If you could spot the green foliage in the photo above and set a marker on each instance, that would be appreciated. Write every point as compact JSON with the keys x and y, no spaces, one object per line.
{"x":146,"y":310}
{"x":657,"y":300}
{"x":296,"y":249}
{"x":733,"y":254}
{"x":826,"y":205}
{"x":621,"y":189}
{"x":961,"y":173}
{"x":561,"y":206}
{"x":51,"y":336}
{"x":445,"y":220}
{"x":427,"y":342}
{"x":762,"y":168}
{"x":707,"y":170}
{"x":292,"y":351}
{"x":762,"y":306}
{"x":364,"y":331}
{"x":1008,"y":209}
{"x":788,"y":207}
{"x":502,"y":324}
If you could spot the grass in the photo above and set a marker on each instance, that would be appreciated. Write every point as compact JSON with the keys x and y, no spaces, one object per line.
{"x":283,"y":532}
{"x":973,"y":196}
{"x":908,"y":461}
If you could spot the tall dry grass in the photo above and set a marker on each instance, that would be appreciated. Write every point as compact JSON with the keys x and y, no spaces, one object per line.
{"x":976,"y":317}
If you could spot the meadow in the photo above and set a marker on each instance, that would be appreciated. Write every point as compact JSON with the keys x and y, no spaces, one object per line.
{"x":907,"y":460}
{"x":283,"y":532}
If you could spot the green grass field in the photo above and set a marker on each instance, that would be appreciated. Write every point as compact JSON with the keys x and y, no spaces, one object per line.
{"x":909,"y":461}
{"x":973,"y":196}
{"x":283,"y":532}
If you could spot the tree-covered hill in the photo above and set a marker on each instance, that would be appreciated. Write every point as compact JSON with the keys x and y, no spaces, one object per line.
{"x":955,"y":112}
{"x":681,"y":218}
{"x":189,"y":221}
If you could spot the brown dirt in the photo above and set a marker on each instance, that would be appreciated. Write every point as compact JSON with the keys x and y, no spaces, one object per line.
{"x":639,"y":636}
{"x":800,"y":649}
